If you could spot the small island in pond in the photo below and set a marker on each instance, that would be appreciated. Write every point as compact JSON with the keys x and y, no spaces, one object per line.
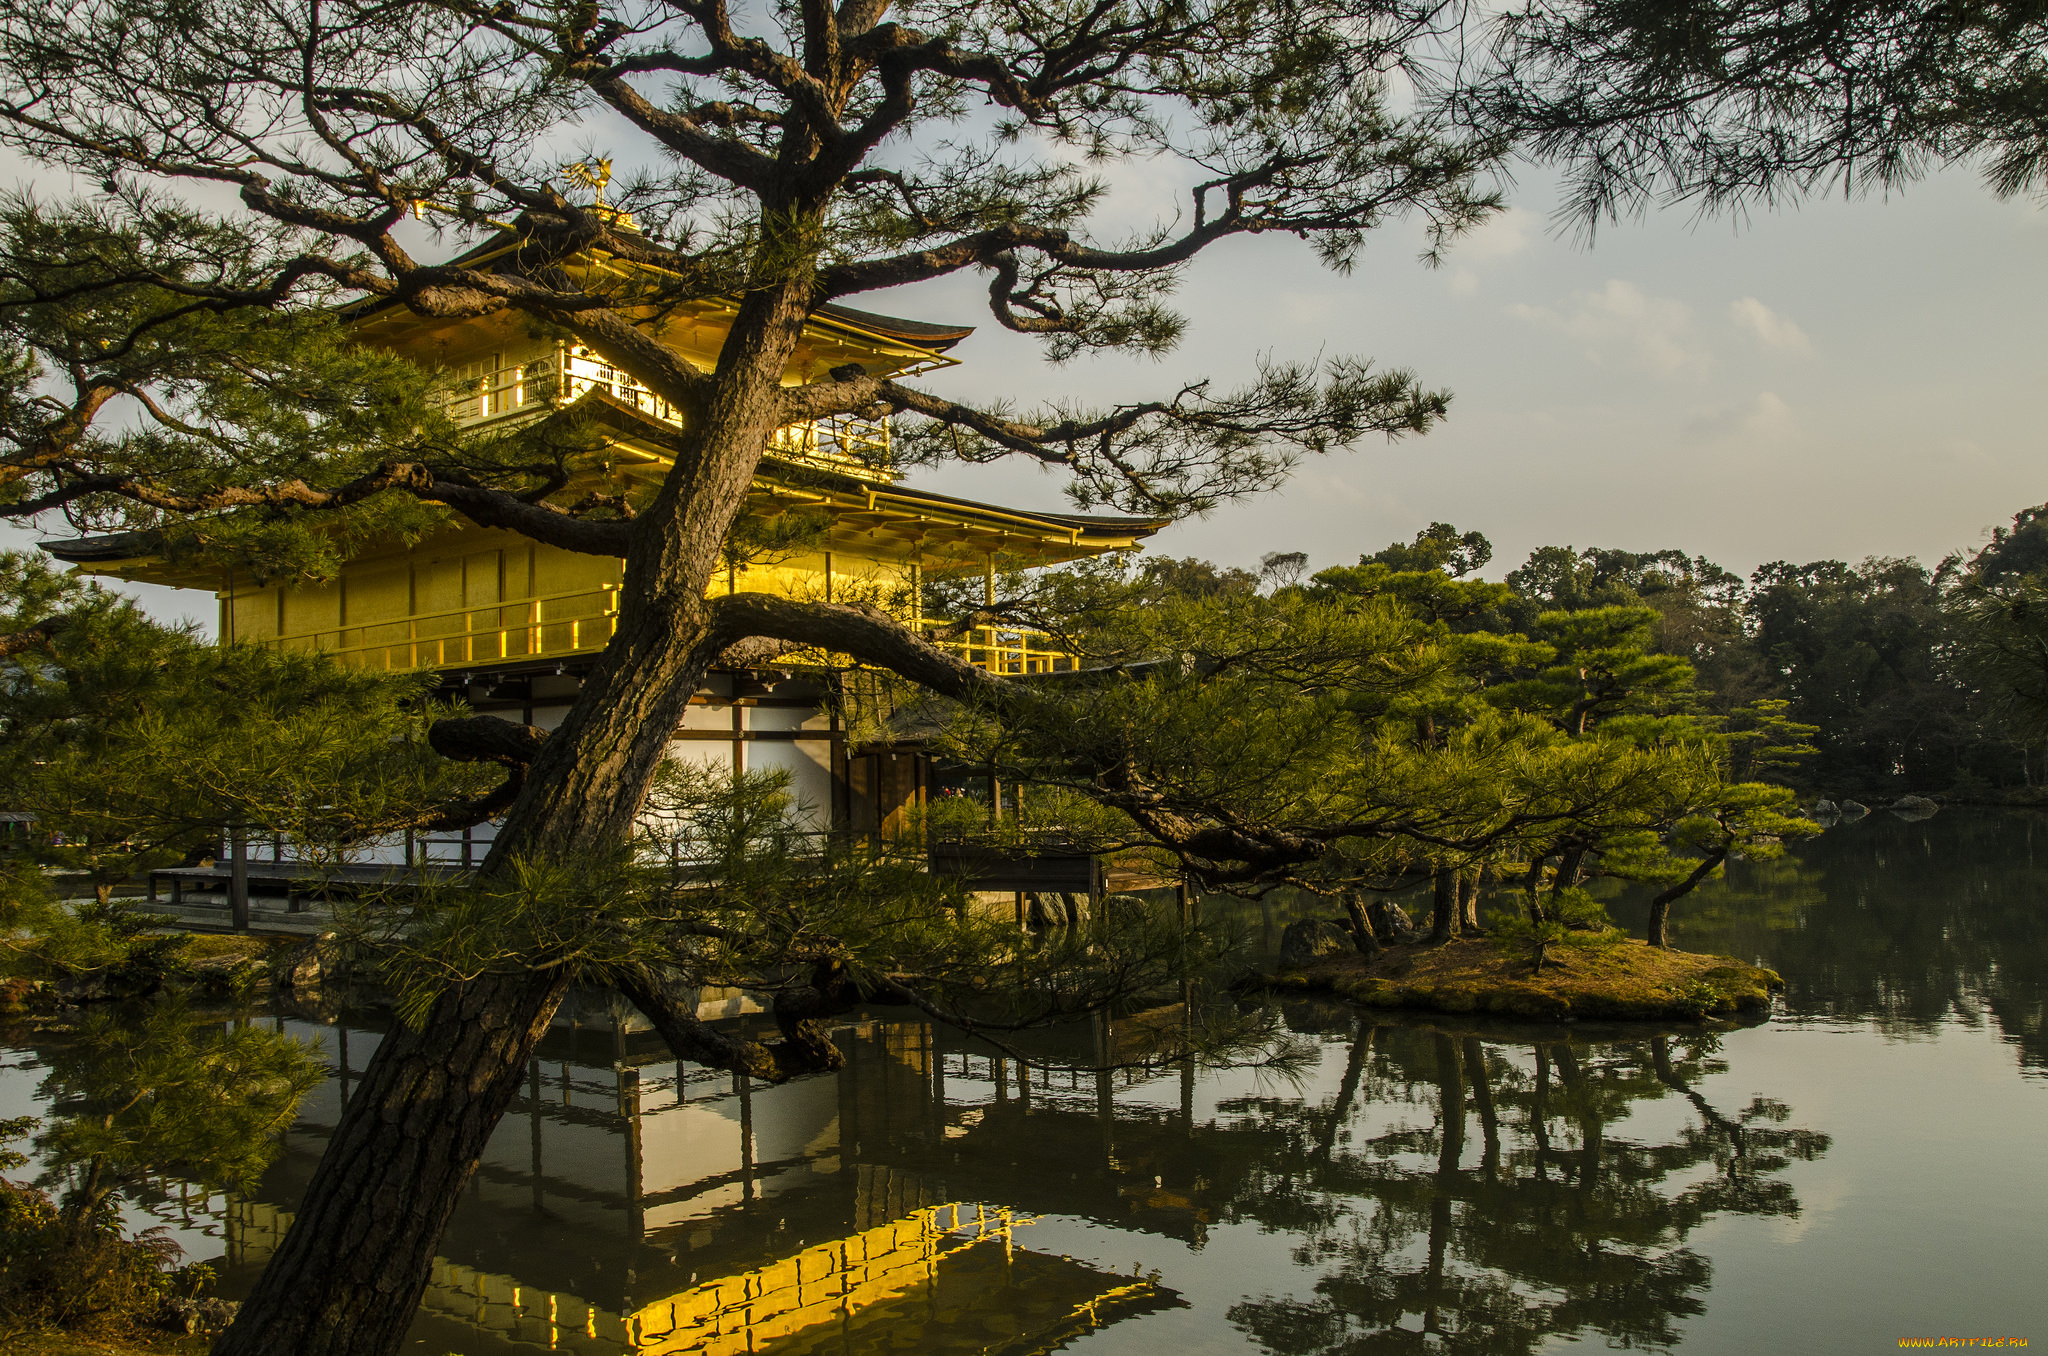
{"x":1625,"y":981}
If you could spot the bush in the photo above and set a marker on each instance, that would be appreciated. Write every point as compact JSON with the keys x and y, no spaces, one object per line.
{"x":1571,"y":919}
{"x":97,"y":949}
{"x":81,"y":1273}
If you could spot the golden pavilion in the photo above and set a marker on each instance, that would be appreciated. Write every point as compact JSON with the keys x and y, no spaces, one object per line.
{"x":511,"y":624}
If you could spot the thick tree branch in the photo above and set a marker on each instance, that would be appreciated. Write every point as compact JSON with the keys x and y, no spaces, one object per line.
{"x":35,"y":637}
{"x":486,"y":739}
{"x":483,"y":506}
{"x":671,"y":1004}
{"x":866,"y":633}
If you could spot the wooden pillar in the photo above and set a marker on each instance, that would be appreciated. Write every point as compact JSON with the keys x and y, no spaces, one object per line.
{"x":238,"y":876}
{"x":988,"y":598}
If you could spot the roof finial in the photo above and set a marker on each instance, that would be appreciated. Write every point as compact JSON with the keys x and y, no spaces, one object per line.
{"x":592,"y":174}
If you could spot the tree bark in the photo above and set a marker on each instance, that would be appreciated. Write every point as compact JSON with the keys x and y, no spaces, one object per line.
{"x":348,"y":1278}
{"x":1444,"y":907}
{"x":1660,"y":907}
{"x":1469,"y":883}
{"x":1361,"y":926}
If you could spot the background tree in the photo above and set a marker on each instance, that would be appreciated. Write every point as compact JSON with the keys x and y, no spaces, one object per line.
{"x":1861,"y":652}
{"x":1365,"y":732}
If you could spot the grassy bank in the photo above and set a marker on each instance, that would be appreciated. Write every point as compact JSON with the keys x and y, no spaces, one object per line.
{"x":1628,"y":981}
{"x":63,"y":1344}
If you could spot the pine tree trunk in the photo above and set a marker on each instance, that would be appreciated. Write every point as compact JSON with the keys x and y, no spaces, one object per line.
{"x":1444,"y":907}
{"x":1469,"y":883}
{"x":1361,"y":926}
{"x":1660,"y":913}
{"x":1660,"y":906}
{"x":348,"y":1277}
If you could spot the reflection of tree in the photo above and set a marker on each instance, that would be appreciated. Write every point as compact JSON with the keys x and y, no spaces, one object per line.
{"x":1908,"y":926}
{"x":1514,"y":1213}
{"x":156,"y":1091}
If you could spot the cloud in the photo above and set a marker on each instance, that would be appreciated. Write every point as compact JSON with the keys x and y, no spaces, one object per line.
{"x":1765,"y":418}
{"x":1306,"y":308}
{"x":1620,"y":323}
{"x":1772,"y":330}
{"x":1769,"y":418}
{"x":1464,"y":282}
{"x":1502,"y":236}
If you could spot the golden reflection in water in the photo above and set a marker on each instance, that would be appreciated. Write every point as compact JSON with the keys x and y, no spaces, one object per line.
{"x":945,"y":1278}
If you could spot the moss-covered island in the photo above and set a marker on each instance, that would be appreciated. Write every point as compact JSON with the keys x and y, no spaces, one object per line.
{"x":1625,"y":981}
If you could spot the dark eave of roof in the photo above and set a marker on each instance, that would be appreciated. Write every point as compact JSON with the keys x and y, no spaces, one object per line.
{"x":112,"y":546}
{"x":798,"y":474}
{"x":1085,"y":522}
{"x":919,"y":333}
{"x":916,"y":333}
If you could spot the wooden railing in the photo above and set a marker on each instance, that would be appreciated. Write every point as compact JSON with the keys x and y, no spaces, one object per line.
{"x":583,"y":621}
{"x":525,"y":383}
{"x":577,"y":622}
{"x":1001,"y":649}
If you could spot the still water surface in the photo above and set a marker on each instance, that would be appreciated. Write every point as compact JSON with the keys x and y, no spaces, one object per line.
{"x":1869,"y":1165}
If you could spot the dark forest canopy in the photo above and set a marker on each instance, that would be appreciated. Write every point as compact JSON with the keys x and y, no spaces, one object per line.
{"x":1886,"y":656}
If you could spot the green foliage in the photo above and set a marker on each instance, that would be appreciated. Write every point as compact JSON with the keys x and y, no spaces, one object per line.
{"x":157,"y":1090}
{"x":1892,"y":674}
{"x":2001,"y":631}
{"x":1733,"y":105}
{"x":1570,"y":919}
{"x":133,"y":743}
{"x":1603,"y":670}
{"x":98,"y":947}
{"x":83,"y":1276}
{"x":149,"y":1092}
{"x":97,"y":303}
{"x":1427,"y":577}
{"x":726,"y":888}
{"x":1764,"y":740}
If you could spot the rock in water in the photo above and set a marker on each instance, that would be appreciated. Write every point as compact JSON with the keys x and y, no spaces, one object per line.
{"x":1824,"y":809}
{"x":1311,"y":940}
{"x":1852,"y":809}
{"x":1913,"y":807}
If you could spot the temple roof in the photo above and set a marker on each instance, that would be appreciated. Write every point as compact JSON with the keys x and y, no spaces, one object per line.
{"x":917,"y":333}
{"x":938,"y":528}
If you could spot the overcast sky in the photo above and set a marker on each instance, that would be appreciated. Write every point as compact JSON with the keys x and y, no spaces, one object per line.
{"x":1842,"y":380}
{"x":1838,"y":381}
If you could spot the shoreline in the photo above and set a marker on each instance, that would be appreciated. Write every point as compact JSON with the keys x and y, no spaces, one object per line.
{"x":1628,"y":981}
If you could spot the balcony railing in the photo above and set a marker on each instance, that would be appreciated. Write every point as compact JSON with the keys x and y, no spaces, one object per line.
{"x":1007,"y":650}
{"x":525,"y":383}
{"x":583,"y":622}
{"x":580,"y":622}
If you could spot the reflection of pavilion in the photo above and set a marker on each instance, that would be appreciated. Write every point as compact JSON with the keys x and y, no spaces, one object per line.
{"x":618,"y":1183}
{"x":943,"y":1279}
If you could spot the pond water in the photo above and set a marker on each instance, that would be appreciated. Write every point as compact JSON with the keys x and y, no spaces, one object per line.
{"x":1868,"y":1166}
